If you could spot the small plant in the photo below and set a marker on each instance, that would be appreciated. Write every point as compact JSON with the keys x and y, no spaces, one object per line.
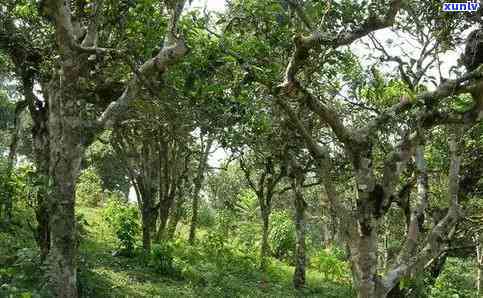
{"x":328,"y":262}
{"x":81,"y":230}
{"x":161,"y":258}
{"x":123,"y":220}
{"x":282,"y":235}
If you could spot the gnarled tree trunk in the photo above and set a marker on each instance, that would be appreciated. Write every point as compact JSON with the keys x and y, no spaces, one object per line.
{"x":300,"y":258}
{"x":147,"y":182}
{"x":66,"y":150}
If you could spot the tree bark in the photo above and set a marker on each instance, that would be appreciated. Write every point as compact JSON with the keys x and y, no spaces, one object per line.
{"x":479,"y":264}
{"x":163,"y":218}
{"x":66,"y":150}
{"x":43,"y":230}
{"x":146,"y":228}
{"x":198,"y":183}
{"x":300,"y":258}
{"x":66,"y":129}
{"x":174,"y":219}
{"x":148,"y":210}
{"x":264,"y":249}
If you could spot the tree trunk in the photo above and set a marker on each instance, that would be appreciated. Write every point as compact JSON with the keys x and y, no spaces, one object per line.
{"x":265,"y":230}
{"x":479,"y":264}
{"x":43,"y":231}
{"x":367,"y":262}
{"x":194,"y":215}
{"x":42,"y":213}
{"x":148,"y":213}
{"x":300,"y":258}
{"x":146,"y":227}
{"x":369,"y":284}
{"x":66,"y":150}
{"x":62,"y":256}
{"x":198,"y":183}
{"x":175,"y":218}
{"x":172,"y":225}
{"x":163,"y":219}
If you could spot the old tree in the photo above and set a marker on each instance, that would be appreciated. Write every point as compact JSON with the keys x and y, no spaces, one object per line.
{"x":367,"y":101}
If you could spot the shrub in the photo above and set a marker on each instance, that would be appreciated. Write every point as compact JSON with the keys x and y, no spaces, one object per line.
{"x":329,"y":262}
{"x":89,"y":188}
{"x":206,"y":217}
{"x":122,"y":218}
{"x":162,"y":257}
{"x":456,"y":280}
{"x":282,"y":235}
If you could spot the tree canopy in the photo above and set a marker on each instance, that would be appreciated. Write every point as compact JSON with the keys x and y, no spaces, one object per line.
{"x":350,"y":131}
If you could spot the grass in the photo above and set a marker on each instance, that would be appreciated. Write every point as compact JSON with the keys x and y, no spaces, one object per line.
{"x":103,"y":275}
{"x":198,"y":271}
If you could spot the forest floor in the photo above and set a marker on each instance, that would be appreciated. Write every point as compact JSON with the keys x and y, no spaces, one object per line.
{"x":103,"y":275}
{"x":202,"y":270}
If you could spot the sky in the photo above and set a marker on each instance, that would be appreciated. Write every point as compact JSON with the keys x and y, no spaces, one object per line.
{"x":216,"y":5}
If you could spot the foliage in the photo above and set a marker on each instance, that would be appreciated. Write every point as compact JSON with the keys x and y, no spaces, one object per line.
{"x":282,"y":235}
{"x":89,"y":188}
{"x":122,"y":218}
{"x":456,"y":281}
{"x":161,"y":258}
{"x":108,"y":165}
{"x":329,"y":262}
{"x":229,"y":85}
{"x":224,"y":186}
{"x":20,"y":268}
{"x":206,"y":215}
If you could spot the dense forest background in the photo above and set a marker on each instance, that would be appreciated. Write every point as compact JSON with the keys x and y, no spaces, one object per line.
{"x":350,"y":135}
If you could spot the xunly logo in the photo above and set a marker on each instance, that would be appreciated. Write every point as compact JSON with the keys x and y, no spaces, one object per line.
{"x":468,"y":6}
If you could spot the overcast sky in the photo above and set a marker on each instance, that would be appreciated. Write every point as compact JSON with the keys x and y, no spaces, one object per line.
{"x":210,"y":4}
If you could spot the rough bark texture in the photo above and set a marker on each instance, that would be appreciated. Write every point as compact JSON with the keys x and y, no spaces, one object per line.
{"x":175,"y":217}
{"x":264,"y":248}
{"x":66,"y":130}
{"x":147,"y":225}
{"x":163,"y":217}
{"x":300,"y":206}
{"x":479,"y":264}
{"x":200,"y":175}
{"x":148,"y":214}
{"x":65,"y":159}
{"x":42,"y":234}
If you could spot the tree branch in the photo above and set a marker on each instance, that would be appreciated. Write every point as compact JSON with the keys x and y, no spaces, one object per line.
{"x":303,"y":44}
{"x":166,"y":57}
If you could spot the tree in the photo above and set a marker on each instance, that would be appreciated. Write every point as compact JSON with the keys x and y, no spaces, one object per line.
{"x":200,"y":174}
{"x":263,"y":174}
{"x":300,"y":206}
{"x":67,"y":124}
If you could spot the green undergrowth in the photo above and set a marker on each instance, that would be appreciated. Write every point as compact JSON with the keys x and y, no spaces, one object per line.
{"x":208,"y":269}
{"x":214,"y":267}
